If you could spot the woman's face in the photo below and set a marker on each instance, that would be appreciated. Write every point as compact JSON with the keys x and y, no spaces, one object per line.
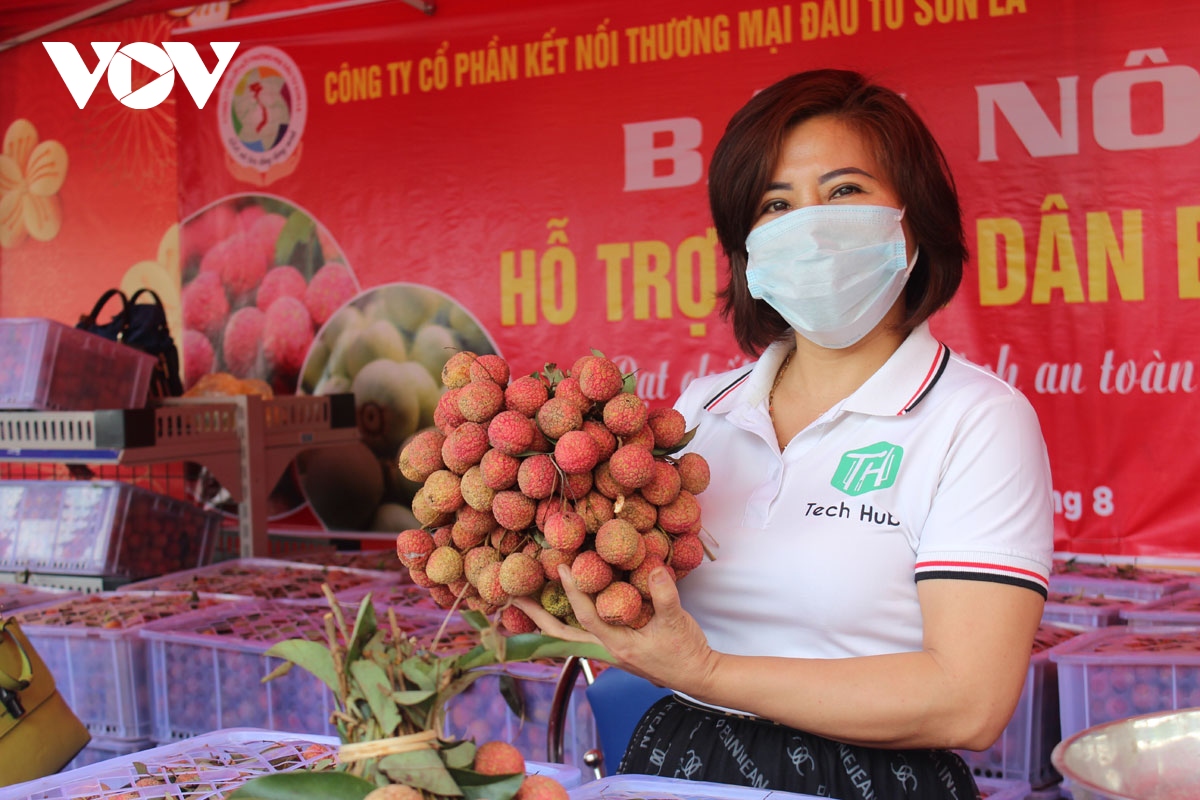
{"x":824,"y":161}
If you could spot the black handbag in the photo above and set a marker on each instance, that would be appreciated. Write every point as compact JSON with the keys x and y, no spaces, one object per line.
{"x":144,"y":326}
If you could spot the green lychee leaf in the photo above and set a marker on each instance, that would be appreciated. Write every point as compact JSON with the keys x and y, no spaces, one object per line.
{"x":476,"y":620}
{"x":459,"y":756}
{"x":376,"y":688}
{"x":510,"y":690}
{"x":420,"y":672}
{"x":597,"y":353}
{"x":421,"y":769}
{"x":629,"y":383}
{"x":311,"y":656}
{"x":302,"y":785}
{"x":533,"y":646}
{"x":364,"y":629}
{"x":487,"y":787}
{"x":412,"y":697}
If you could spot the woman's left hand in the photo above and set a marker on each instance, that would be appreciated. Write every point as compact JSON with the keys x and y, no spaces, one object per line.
{"x":670,"y":650}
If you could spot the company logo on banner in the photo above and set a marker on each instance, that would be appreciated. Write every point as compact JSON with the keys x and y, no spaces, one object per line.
{"x":117,"y":61}
{"x":261,"y":116}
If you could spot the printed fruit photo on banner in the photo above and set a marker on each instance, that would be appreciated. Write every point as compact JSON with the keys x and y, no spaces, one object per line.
{"x":387,"y":346}
{"x":259,"y":277}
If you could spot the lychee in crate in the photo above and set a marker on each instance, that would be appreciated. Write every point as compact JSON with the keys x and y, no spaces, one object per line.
{"x":486,"y":712}
{"x":1178,"y":609}
{"x":267,"y":578}
{"x":1022,"y":753}
{"x":1122,"y":581}
{"x":46,"y":365}
{"x":1085,"y":610}
{"x":91,"y":646}
{"x":21,"y":595}
{"x":1118,"y":672}
{"x":100,"y":527}
{"x":207,"y":669}
{"x":207,"y":767}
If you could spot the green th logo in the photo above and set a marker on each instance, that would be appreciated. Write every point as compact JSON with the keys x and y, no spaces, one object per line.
{"x":868,"y":468}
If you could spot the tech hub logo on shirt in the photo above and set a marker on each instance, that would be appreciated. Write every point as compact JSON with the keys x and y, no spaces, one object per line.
{"x":868,"y":469}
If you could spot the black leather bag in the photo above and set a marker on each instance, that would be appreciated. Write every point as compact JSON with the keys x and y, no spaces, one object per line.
{"x":144,"y":326}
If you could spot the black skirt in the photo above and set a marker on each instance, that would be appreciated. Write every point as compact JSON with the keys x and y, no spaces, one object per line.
{"x":679,"y":739}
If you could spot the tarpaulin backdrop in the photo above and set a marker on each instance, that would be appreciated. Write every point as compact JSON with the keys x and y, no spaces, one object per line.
{"x":542,"y":166}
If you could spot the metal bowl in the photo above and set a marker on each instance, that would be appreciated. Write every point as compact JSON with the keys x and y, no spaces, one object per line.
{"x":1149,"y":757}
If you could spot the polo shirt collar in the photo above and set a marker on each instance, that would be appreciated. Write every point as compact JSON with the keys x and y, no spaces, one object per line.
{"x":894,"y":390}
{"x":905,"y":379}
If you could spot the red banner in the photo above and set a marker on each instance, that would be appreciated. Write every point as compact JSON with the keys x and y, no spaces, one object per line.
{"x":540,"y":172}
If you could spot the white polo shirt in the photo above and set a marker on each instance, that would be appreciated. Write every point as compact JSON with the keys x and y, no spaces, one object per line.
{"x":934,"y":468}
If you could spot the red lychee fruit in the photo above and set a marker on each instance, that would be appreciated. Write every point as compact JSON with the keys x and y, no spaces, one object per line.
{"x":516,"y":621}
{"x":479,"y":401}
{"x":568,"y":389}
{"x":464,"y":447}
{"x":513,"y":510}
{"x":664,"y":486}
{"x":537,"y":476}
{"x":471,"y":528}
{"x":443,"y":492}
{"x":521,"y":575}
{"x":618,"y":603}
{"x":591,"y":572}
{"x":576,"y":452}
{"x":557,"y":416}
{"x":241,"y":342}
{"x":446,"y":415}
{"x":639,"y":576}
{"x":499,"y":758}
{"x":658,"y":544}
{"x":490,"y":367}
{"x":511,"y":432}
{"x":425,"y":513}
{"x":488,"y":583}
{"x":240,"y":260}
{"x":604,"y":483}
{"x":644,"y":616}
{"x":499,"y":471}
{"x":564,"y":530}
{"x":330,"y":288}
{"x":445,"y":565}
{"x":620,"y":544}
{"x":525,"y":395}
{"x":606,"y":442}
{"x":197,"y":356}
{"x":693,"y":472}
{"x":477,"y":494}
{"x":541,"y":787}
{"x":507,"y":541}
{"x":595,"y":509}
{"x":413,"y":547}
{"x":625,"y":413}
{"x":642,"y":437}
{"x":282,"y":281}
{"x":456,"y":372}
{"x":686,"y":553}
{"x":600,"y":379}
{"x":475,"y":559}
{"x":551,"y":558}
{"x":668,"y":426}
{"x":631,"y":466}
{"x":637,"y":511}
{"x":681,"y":514}
{"x":287,"y":334}
{"x":421,"y":456}
{"x":205,"y":304}
{"x":577,"y":484}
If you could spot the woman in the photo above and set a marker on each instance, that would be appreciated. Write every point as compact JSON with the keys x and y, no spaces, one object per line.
{"x":882,"y":507}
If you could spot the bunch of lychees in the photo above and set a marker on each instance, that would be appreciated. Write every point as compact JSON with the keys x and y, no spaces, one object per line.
{"x":519,"y":476}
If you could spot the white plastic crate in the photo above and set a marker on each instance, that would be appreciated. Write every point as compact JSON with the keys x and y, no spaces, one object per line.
{"x":91,"y":646}
{"x":1178,"y":609}
{"x":1085,"y":610}
{"x":206,"y":670}
{"x":1118,"y":672}
{"x":100,"y":527}
{"x":102,"y":749}
{"x":206,"y":767}
{"x":1022,"y":753}
{"x":1123,"y":581}
{"x":46,"y":365}
{"x":1000,"y":789}
{"x":267,"y":578}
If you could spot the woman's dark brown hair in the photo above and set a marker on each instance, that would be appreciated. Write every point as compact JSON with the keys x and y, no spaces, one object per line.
{"x":744,"y":163}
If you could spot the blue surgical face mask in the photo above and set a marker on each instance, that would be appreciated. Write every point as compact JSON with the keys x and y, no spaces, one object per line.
{"x":831,"y":271}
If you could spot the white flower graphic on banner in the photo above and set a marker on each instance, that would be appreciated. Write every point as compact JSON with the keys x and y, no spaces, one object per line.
{"x":31,"y":173}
